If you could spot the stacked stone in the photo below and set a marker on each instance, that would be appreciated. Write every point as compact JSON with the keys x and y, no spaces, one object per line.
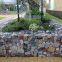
{"x":24,"y":44}
{"x":2,"y":47}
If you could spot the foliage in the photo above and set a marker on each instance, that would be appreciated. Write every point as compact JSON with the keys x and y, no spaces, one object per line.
{"x":25,"y":24}
{"x":47,"y":27}
{"x":37,"y":21}
{"x":1,"y":5}
{"x":48,"y":16}
{"x":35,"y":11}
{"x":46,"y":20}
{"x":33,"y":27}
{"x":12,"y":8}
{"x":21,"y":25}
{"x":2,"y":17}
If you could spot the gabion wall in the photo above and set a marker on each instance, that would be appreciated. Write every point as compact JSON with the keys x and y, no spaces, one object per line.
{"x":32,"y":45}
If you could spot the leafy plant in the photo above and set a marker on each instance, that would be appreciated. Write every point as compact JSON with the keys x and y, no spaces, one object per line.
{"x":34,"y":27}
{"x":21,"y":25}
{"x":35,"y":11}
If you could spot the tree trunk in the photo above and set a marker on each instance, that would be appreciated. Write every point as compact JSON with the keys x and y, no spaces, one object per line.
{"x":42,"y":14}
{"x":18,"y":9}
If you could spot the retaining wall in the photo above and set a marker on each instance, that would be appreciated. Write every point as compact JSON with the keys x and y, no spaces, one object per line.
{"x":23,"y":45}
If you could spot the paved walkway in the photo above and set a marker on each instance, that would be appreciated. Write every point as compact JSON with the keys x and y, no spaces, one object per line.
{"x":30,"y":59}
{"x":6,"y":20}
{"x":9,"y":18}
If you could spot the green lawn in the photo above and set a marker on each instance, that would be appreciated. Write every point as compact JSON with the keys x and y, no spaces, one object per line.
{"x":48,"y":16}
{"x":1,"y":17}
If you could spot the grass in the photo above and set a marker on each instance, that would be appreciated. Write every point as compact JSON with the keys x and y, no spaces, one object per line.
{"x":1,"y":17}
{"x":21,"y":25}
{"x":48,"y":16}
{"x":13,"y":12}
{"x":30,"y":59}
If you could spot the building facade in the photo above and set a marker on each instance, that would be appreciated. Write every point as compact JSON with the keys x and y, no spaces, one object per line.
{"x":54,"y":5}
{"x":58,"y":4}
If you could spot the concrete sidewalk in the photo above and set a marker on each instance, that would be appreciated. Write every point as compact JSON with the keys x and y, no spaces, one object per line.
{"x":10,"y":18}
{"x":6,"y":20}
{"x":30,"y":59}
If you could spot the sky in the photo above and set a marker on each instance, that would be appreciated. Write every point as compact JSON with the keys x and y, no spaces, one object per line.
{"x":6,"y":1}
{"x":9,"y":0}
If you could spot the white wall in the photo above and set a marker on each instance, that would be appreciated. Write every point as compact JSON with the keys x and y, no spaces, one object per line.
{"x":51,"y":4}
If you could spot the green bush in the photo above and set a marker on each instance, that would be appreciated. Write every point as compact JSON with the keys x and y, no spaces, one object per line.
{"x":35,"y":11}
{"x":46,"y":20}
{"x":33,"y":27}
{"x":24,"y":24}
{"x":47,"y":27}
{"x":37,"y":21}
{"x":21,"y":25}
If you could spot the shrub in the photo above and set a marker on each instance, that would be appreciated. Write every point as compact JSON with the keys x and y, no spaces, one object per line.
{"x":37,"y":21}
{"x":47,"y":27}
{"x":21,"y":25}
{"x":33,"y":27}
{"x":35,"y":11}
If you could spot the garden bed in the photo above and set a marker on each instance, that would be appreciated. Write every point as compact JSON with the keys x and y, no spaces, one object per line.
{"x":21,"y":25}
{"x":24,"y":24}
